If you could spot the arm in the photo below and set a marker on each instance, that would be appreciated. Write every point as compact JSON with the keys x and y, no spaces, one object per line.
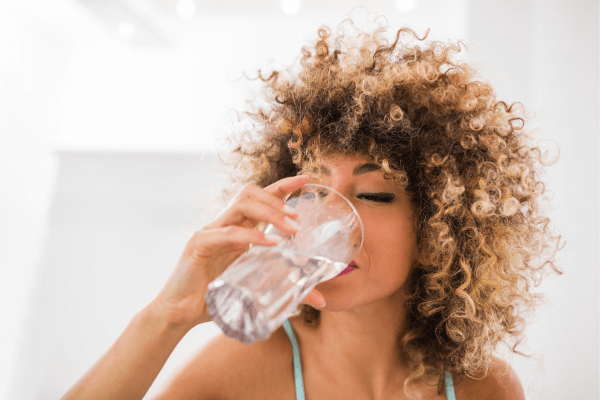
{"x":129,"y":367}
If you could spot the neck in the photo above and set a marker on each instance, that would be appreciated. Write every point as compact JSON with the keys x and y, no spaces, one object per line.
{"x":360,"y":346}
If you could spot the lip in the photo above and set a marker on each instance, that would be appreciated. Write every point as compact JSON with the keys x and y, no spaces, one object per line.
{"x":351,"y":267}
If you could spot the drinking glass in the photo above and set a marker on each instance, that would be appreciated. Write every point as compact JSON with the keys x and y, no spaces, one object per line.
{"x":263,"y":287}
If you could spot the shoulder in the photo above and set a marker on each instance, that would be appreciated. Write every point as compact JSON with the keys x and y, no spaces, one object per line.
{"x":227,"y":369}
{"x":501,"y":383}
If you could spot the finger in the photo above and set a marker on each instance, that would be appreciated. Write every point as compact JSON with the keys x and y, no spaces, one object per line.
{"x":286,"y":186}
{"x":253,"y":192}
{"x":314,"y":298}
{"x":244,"y":210}
{"x":204,"y":243}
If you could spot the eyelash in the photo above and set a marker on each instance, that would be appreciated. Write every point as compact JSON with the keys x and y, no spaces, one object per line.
{"x":378,"y":197}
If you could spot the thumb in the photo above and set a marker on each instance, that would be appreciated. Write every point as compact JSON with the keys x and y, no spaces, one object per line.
{"x":314,"y":298}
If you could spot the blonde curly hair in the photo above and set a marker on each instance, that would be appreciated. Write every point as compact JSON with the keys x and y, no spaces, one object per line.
{"x":464,"y":158}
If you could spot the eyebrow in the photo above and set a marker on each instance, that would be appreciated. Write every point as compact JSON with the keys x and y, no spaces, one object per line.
{"x":358,"y":170}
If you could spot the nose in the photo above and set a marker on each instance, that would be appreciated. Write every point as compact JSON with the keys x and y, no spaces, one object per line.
{"x":329,"y":196}
{"x":341,"y":210}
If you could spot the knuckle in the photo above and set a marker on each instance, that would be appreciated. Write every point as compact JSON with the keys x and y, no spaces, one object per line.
{"x":243,"y":202}
{"x":228,"y":230}
{"x":239,"y":202}
{"x":201,"y":230}
{"x":248,"y":187}
{"x":196,"y":245}
{"x":199,"y":234}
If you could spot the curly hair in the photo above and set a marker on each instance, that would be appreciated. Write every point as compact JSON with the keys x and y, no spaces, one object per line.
{"x":463,"y":157}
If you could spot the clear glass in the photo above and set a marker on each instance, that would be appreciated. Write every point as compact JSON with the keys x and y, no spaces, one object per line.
{"x":263,"y":287}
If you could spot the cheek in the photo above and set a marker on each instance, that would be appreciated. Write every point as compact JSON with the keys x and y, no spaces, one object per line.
{"x":391,"y":246}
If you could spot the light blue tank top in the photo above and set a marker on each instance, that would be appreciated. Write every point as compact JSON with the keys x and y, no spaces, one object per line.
{"x":298,"y":367}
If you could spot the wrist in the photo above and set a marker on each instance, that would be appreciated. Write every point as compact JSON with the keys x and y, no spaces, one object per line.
{"x":168,"y":319}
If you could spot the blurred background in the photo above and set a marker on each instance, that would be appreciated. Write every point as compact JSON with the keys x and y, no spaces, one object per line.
{"x":111,"y":113}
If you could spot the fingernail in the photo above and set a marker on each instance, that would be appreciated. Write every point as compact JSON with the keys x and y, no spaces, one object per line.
{"x":321,"y":305}
{"x":273,"y":237}
{"x":292,"y":223}
{"x":289,"y":210}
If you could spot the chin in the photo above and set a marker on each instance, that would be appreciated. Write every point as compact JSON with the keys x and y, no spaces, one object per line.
{"x":333,"y":308}
{"x":336,"y":302}
{"x":341,"y":294}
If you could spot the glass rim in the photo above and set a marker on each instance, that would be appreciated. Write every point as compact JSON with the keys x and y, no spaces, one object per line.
{"x":362,"y":229}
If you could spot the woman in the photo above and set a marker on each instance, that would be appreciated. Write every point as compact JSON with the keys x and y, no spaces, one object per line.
{"x":450,"y":196}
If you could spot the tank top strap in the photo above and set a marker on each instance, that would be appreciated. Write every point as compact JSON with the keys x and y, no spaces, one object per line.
{"x":449,"y":387}
{"x":299,"y":380}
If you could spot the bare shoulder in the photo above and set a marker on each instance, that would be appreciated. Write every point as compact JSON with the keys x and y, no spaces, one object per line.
{"x":227,"y":369}
{"x":501,"y":383}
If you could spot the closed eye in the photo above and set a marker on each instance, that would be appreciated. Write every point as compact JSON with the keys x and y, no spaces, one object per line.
{"x":377,"y":197}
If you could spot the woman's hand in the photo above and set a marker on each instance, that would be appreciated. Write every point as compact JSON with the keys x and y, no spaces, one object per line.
{"x":129,"y":367}
{"x":215,"y":246}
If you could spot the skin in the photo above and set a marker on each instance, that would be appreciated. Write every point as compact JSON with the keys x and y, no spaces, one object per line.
{"x":362,"y":317}
{"x":351,"y":354}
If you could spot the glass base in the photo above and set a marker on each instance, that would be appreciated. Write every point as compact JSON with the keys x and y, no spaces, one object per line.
{"x":233,"y":310}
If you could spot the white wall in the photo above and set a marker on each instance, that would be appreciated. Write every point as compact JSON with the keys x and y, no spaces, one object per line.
{"x":86,"y":119}
{"x":115,"y":229}
{"x":545,"y":55}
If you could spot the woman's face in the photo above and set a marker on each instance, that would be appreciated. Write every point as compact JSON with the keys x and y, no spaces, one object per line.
{"x":389,"y":247}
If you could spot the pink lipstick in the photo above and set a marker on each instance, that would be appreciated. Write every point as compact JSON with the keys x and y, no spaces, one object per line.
{"x":351,"y":267}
